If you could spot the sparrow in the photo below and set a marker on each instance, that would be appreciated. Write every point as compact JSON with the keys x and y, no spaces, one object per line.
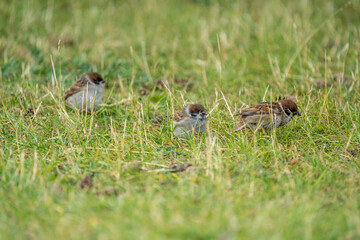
{"x":86,"y":93}
{"x":267,"y":115}
{"x":191,"y":120}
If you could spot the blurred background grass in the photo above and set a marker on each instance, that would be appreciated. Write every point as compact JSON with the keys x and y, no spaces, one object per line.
{"x":301,"y":181}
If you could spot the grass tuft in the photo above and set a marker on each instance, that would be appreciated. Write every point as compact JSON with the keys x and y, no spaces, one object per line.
{"x":105,"y":174}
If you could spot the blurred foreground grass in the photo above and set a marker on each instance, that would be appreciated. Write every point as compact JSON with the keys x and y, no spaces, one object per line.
{"x":66,"y":175}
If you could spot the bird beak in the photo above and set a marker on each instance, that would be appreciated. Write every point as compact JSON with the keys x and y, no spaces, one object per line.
{"x":297,"y":113}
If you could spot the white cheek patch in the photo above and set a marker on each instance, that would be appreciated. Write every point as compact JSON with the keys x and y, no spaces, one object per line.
{"x":282,"y":109}
{"x":187,"y":111}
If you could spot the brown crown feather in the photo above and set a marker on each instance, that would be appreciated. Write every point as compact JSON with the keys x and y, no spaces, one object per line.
{"x":196,"y":108}
{"x":289,"y":104}
{"x":94,"y":77}
{"x":192,"y":108}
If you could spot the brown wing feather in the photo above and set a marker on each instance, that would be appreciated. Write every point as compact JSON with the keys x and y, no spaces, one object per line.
{"x":77,"y":87}
{"x":267,"y":107}
{"x":261,"y":108}
{"x":179,"y":115}
{"x":249,"y":111}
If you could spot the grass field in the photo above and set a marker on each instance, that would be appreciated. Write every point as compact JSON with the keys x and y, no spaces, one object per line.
{"x":70,"y":175}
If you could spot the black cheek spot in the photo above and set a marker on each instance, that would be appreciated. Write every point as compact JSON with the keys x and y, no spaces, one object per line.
{"x":98,"y":80}
{"x":288,"y":112}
